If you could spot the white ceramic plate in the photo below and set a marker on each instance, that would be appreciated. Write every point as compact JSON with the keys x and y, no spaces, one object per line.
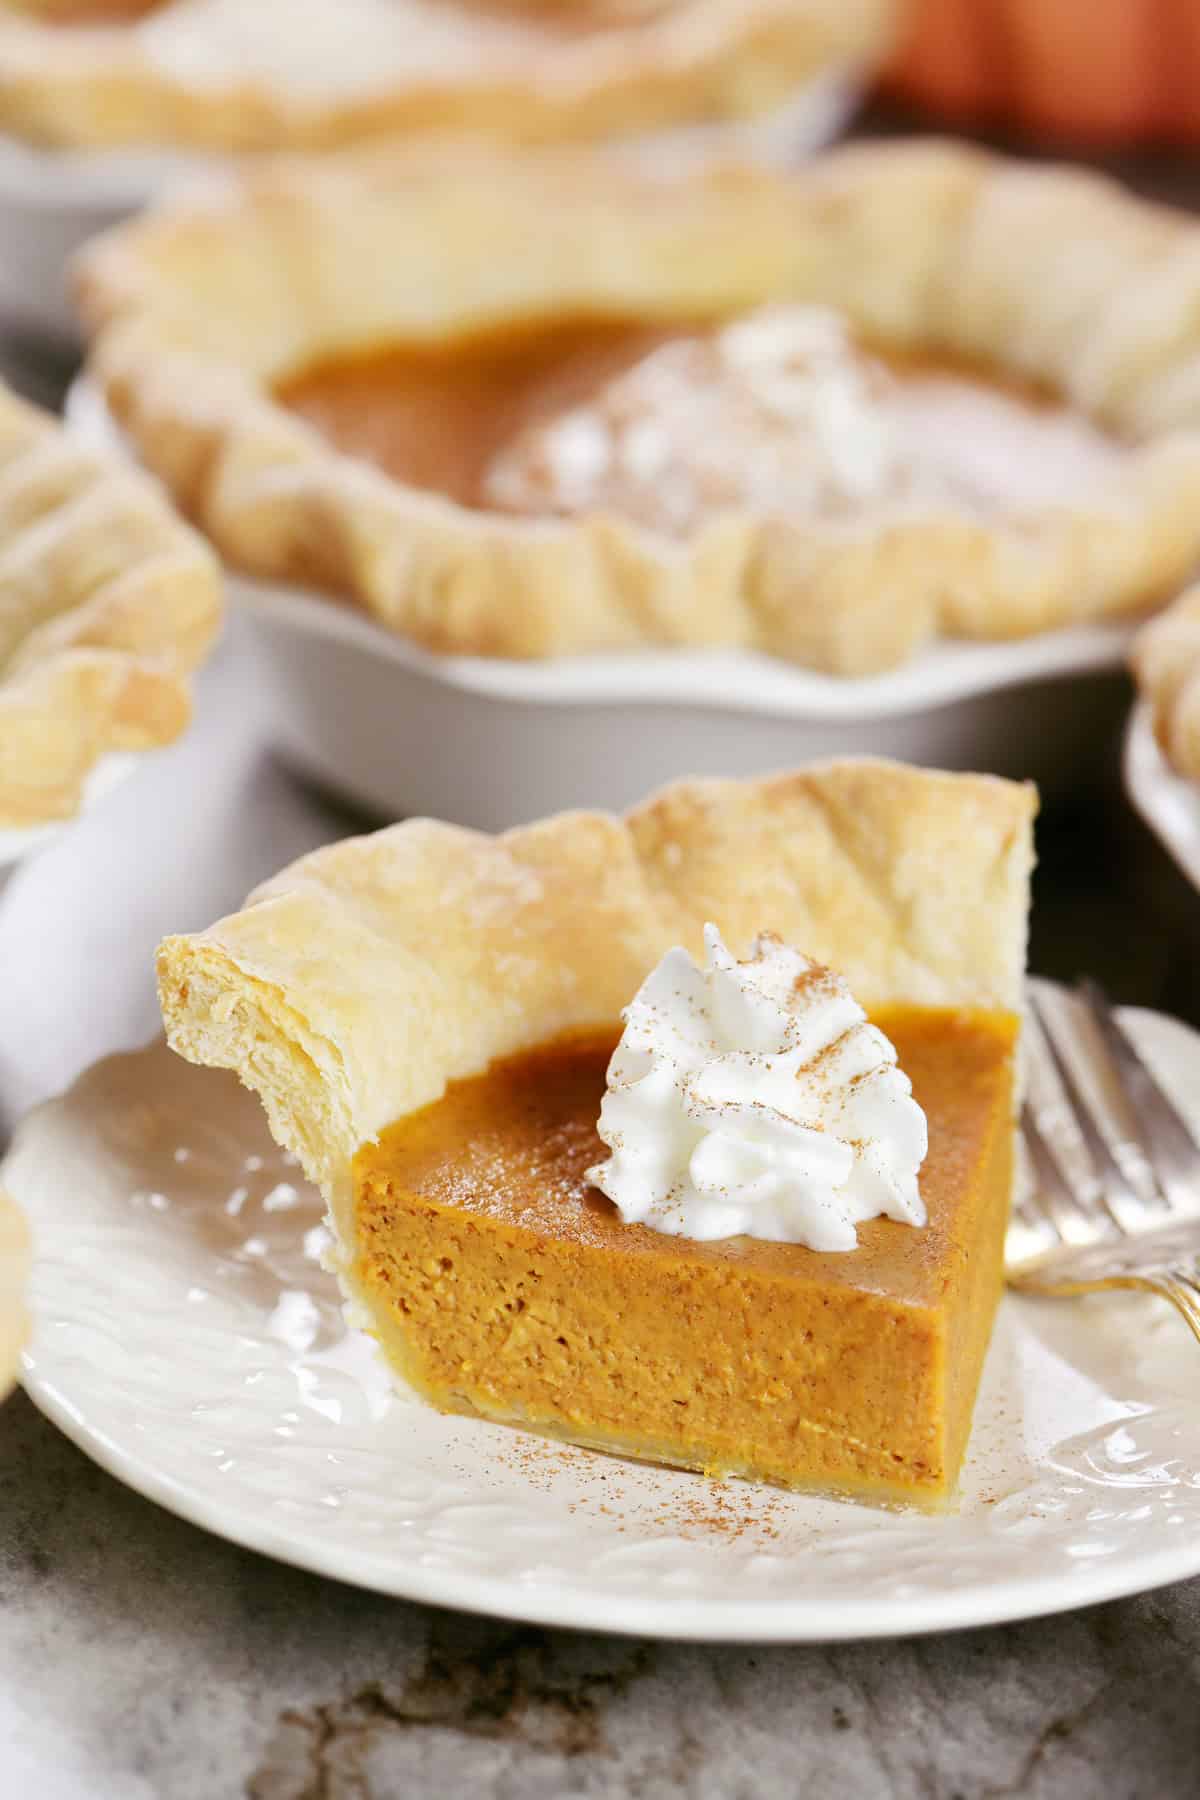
{"x":491,"y":742}
{"x":186,"y":1338}
{"x":1169,"y":804}
{"x":16,"y":846}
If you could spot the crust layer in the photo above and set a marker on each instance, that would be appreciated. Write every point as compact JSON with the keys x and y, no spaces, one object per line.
{"x":524,"y":77}
{"x":1166,"y":663}
{"x":358,"y":982}
{"x":107,"y":603}
{"x":1050,"y":274}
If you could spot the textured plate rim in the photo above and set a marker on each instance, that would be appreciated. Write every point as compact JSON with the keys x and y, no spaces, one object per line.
{"x":564,"y":1607}
{"x":976,"y":1604}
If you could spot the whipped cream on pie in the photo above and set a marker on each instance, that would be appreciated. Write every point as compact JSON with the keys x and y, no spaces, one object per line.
{"x":777,"y":411}
{"x":755,"y":1098}
{"x":781,"y":412}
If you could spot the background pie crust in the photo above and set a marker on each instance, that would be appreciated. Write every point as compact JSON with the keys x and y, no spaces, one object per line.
{"x":107,"y":603}
{"x":1047,"y":273}
{"x":1166,"y":662}
{"x":358,"y":982}
{"x":696,"y":61}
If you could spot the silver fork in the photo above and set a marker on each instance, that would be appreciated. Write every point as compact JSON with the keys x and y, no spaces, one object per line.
{"x":1113,"y":1195}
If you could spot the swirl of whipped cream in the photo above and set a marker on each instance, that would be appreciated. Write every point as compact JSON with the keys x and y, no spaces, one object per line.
{"x":754,"y":1098}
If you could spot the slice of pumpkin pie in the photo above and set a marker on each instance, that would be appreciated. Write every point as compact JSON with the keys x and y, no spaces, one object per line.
{"x":686,"y":1135}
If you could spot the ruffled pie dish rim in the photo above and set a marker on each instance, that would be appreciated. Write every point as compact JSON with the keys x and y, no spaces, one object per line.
{"x":714,"y":60}
{"x":188,"y":375}
{"x":1168,"y":802}
{"x":121,"y":603}
{"x":1161,"y":756}
{"x":915,"y":884}
{"x":1165,"y":660}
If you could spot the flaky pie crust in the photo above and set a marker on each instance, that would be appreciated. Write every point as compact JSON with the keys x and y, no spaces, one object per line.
{"x":1166,"y":664}
{"x":107,"y":603}
{"x":357,"y":983}
{"x":695,"y":61}
{"x":1050,"y":274}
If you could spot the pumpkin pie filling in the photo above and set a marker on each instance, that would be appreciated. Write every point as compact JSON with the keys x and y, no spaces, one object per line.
{"x":435,"y":415}
{"x":502,"y":1284}
{"x":88,"y":12}
{"x":656,"y":422}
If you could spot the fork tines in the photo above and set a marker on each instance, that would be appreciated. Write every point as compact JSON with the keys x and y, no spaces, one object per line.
{"x":1132,"y":1179}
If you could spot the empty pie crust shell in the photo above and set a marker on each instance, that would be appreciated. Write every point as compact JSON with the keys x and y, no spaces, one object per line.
{"x":108,"y":602}
{"x":361,"y":980}
{"x":696,"y":61}
{"x":1054,"y":276}
{"x":1166,"y":663}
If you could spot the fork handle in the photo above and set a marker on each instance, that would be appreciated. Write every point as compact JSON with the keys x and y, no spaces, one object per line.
{"x":1180,"y":1284}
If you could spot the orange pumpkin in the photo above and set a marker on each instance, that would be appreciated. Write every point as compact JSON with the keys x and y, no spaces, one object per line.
{"x":1103,"y":71}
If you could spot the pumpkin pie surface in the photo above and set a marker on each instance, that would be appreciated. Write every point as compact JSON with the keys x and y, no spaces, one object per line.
{"x":658,"y":424}
{"x":500,"y":1283}
{"x":606,"y":469}
{"x":427,"y":1015}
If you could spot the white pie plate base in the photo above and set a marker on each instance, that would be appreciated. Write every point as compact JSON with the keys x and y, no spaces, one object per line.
{"x":491,"y":742}
{"x":17,"y":845}
{"x":1169,"y":803}
{"x":186,"y":1338}
{"x":53,"y":201}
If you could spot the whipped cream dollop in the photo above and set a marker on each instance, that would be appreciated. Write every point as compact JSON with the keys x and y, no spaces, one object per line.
{"x":779,"y":412}
{"x":755,"y":1098}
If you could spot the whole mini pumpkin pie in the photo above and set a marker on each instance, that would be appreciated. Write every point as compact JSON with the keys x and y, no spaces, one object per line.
{"x":227,"y":75}
{"x":526,"y":406}
{"x":108,"y":603}
{"x":765,"y":1235}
